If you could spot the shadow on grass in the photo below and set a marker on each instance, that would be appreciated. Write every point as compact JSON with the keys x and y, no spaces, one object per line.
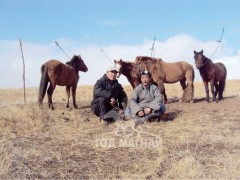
{"x":198,"y":100}
{"x":170,"y":116}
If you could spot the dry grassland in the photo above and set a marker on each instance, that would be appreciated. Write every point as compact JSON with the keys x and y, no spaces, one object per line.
{"x":199,"y":140}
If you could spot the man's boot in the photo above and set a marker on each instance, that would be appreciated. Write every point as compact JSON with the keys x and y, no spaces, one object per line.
{"x":112,"y":114}
{"x":141,"y":120}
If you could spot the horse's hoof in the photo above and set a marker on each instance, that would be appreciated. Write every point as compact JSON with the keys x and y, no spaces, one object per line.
{"x":52,"y":108}
{"x":67,"y":106}
{"x":75,"y":107}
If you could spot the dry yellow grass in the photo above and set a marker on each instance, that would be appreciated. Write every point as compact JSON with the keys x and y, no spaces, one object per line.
{"x":200,"y":140}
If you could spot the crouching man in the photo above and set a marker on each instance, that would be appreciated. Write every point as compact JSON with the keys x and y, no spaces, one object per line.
{"x":146,"y":101}
{"x":109,"y":98}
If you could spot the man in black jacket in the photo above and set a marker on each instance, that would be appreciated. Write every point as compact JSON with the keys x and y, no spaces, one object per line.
{"x":109,"y":98}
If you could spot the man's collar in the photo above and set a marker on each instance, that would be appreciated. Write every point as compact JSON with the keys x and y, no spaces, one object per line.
{"x":146,"y":87}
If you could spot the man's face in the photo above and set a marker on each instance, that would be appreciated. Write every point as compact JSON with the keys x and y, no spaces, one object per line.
{"x":145,"y":80}
{"x":112,"y":75}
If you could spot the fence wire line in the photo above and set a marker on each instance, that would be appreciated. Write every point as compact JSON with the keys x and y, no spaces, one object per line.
{"x":219,"y":42}
{"x":102,"y":51}
{"x":3,"y":73}
{"x":62,"y":49}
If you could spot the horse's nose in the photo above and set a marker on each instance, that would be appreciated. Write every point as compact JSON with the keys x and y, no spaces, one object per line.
{"x":198,"y":66}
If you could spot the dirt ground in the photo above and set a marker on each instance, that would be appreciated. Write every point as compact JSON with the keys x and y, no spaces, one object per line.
{"x":195,"y":140}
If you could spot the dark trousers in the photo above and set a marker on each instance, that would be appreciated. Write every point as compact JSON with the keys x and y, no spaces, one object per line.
{"x":101,"y":106}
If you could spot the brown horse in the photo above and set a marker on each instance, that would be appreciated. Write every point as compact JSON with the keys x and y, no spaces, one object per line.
{"x":163,"y":72}
{"x":130,"y":70}
{"x":57,"y":73}
{"x":215,"y":73}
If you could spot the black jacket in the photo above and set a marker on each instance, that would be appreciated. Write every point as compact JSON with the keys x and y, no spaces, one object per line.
{"x":103,"y":88}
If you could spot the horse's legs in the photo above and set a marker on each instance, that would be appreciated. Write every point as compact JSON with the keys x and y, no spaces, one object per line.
{"x":68,"y":95}
{"x":190,"y":80}
{"x":74,"y":87}
{"x":162,"y":90}
{"x":212,"y":90}
{"x":221,"y":89}
{"x":184,"y":86}
{"x":190,"y":88}
{"x":207,"y":90}
{"x":50,"y":92}
{"x":216,"y":89}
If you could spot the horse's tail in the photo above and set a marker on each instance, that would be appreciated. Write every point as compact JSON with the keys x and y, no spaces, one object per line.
{"x":43,"y":83}
{"x":222,"y":83}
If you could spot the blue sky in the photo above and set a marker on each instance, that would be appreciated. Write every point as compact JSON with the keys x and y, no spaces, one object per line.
{"x":120,"y":26}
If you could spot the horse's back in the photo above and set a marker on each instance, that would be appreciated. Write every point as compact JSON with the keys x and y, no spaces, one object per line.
{"x":175,"y":71}
{"x":54,"y":63}
{"x":59,"y":73}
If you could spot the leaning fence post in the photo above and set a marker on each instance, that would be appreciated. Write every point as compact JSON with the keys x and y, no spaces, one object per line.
{"x":24,"y":92}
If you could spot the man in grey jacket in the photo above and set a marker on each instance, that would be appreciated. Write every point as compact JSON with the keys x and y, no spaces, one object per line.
{"x":146,"y":101}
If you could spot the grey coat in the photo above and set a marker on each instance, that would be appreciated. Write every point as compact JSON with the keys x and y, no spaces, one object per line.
{"x":145,"y":97}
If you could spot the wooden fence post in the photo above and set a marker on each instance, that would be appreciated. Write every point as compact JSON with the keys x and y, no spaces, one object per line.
{"x":24,"y":92}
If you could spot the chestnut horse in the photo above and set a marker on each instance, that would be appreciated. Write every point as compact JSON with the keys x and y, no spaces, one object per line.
{"x":162,"y":72}
{"x":215,"y":73}
{"x":130,"y":70}
{"x":57,"y":73}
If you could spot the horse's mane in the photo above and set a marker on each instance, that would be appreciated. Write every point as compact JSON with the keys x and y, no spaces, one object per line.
{"x":74,"y":63}
{"x":206,"y":59}
{"x":140,"y":59}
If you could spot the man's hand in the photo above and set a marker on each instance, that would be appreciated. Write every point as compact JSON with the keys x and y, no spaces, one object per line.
{"x":113,"y":101}
{"x":147,"y":110}
{"x":140,"y":113}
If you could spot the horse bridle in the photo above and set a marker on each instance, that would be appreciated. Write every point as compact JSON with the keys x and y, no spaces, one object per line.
{"x":205,"y":63}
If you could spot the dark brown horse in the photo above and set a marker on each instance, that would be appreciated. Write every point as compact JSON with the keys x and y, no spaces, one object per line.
{"x":57,"y":73}
{"x":215,"y":73}
{"x":130,"y":70}
{"x":162,"y":72}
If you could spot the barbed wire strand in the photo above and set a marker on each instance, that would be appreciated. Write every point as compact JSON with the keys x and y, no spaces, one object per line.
{"x":62,"y":50}
{"x":152,"y":48}
{"x":3,"y":73}
{"x":102,"y":51}
{"x":219,"y":42}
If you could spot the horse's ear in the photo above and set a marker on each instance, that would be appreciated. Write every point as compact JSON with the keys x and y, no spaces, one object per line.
{"x":195,"y":52}
{"x":201,"y":52}
{"x":115,"y":61}
{"x":120,"y":60}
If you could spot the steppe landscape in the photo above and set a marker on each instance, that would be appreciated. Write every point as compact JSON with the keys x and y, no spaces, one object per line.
{"x":195,"y":140}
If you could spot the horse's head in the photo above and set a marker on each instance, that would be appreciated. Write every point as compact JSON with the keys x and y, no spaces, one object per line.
{"x":118,"y":65}
{"x":78,"y":63}
{"x":198,"y":56}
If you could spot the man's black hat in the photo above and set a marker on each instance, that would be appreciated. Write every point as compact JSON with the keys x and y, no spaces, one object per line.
{"x":146,"y":72}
